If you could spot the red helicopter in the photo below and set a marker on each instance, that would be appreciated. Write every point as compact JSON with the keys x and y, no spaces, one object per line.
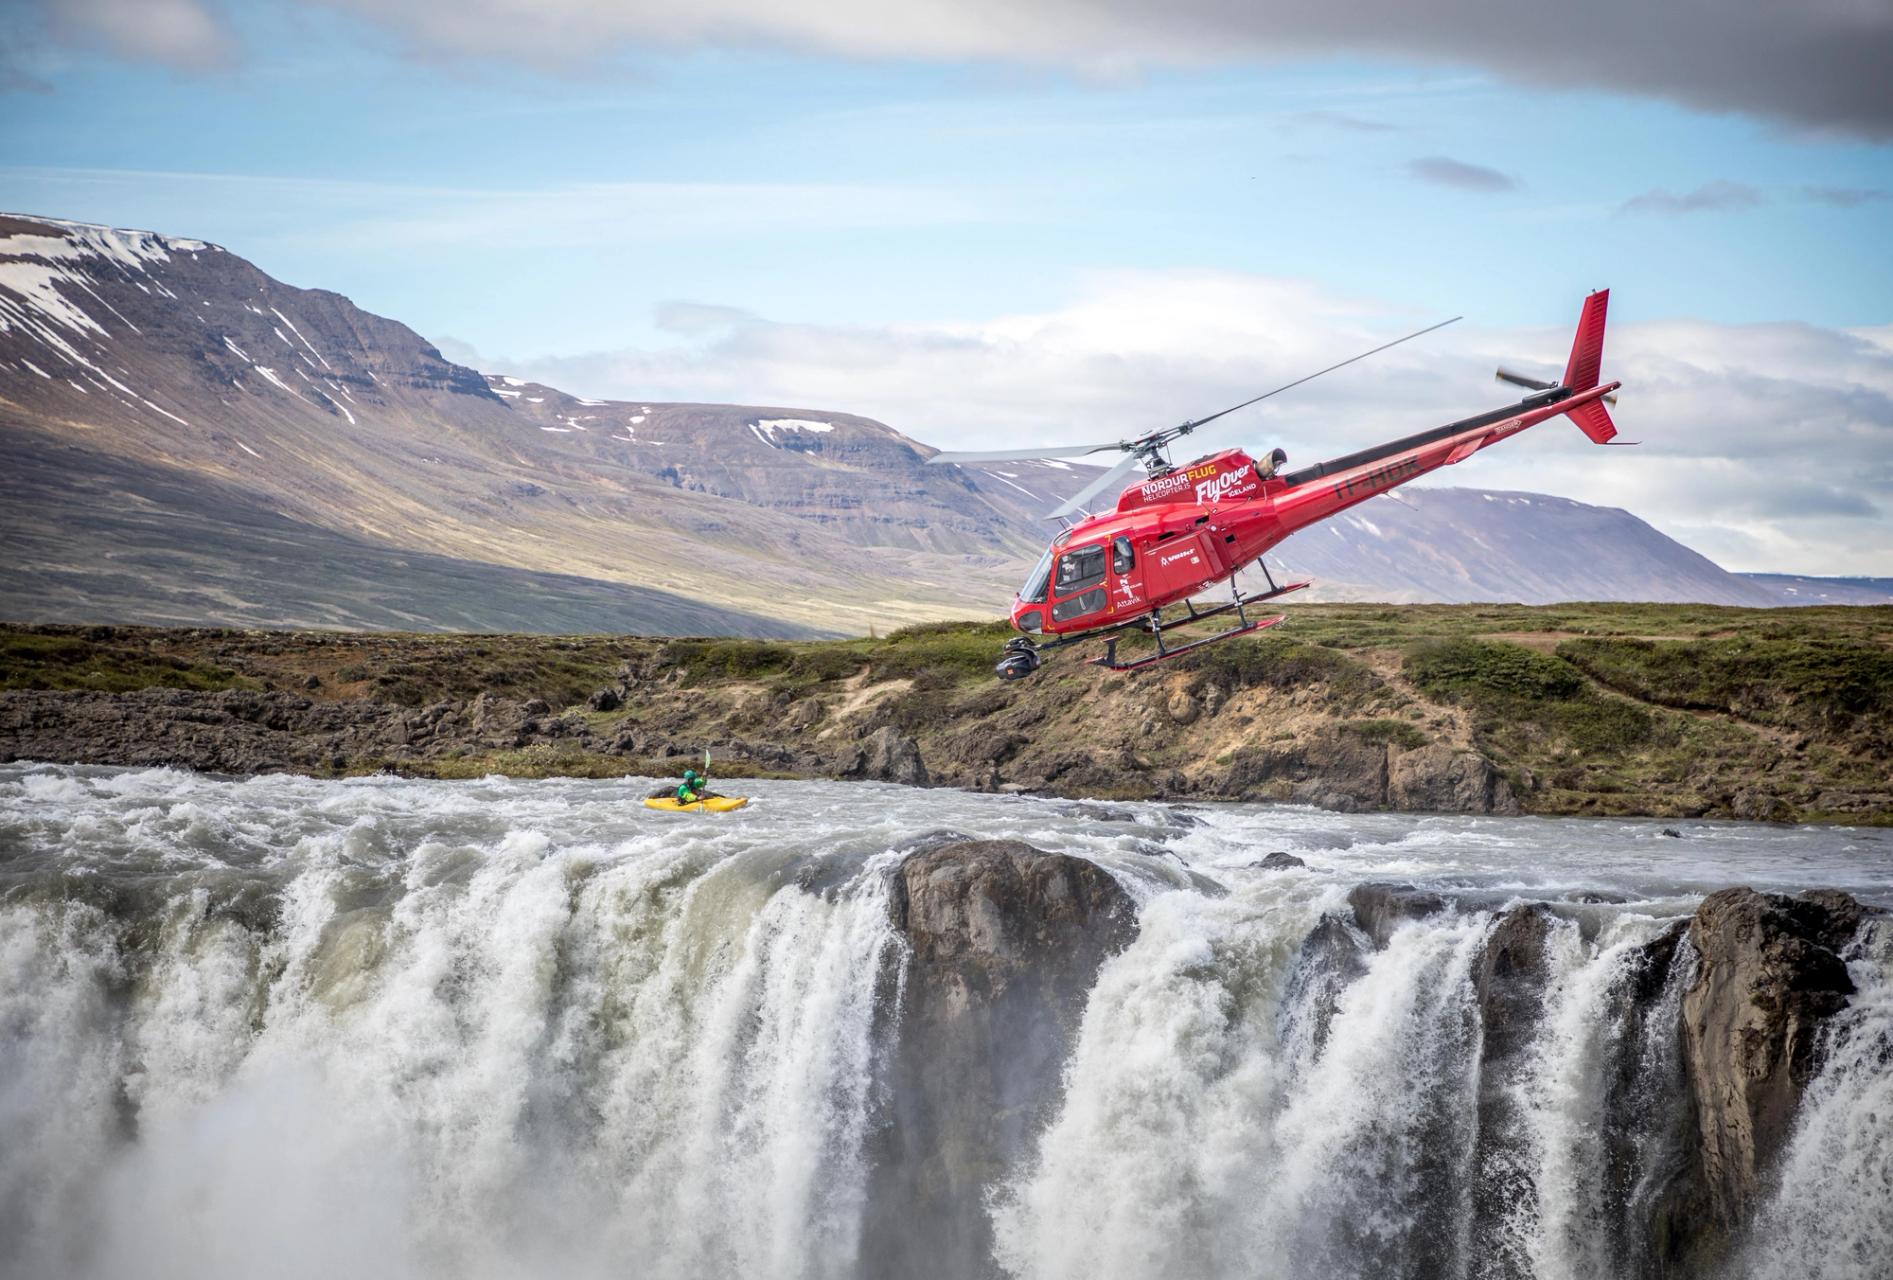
{"x":1182,"y":529}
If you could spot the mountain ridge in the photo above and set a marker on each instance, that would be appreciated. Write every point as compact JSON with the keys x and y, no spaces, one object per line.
{"x":335,"y":450}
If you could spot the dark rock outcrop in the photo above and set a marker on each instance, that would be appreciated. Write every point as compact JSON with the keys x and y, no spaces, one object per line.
{"x":1438,"y":779}
{"x":1349,"y":773}
{"x":1771,"y":975}
{"x":887,"y":755}
{"x":1509,"y":981}
{"x":1278,"y":861}
{"x":1381,"y":908}
{"x":1006,"y":941}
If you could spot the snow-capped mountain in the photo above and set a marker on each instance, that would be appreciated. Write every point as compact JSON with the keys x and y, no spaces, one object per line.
{"x":146,"y":356}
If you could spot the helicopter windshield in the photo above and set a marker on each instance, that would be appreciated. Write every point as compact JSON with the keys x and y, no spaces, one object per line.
{"x":1034,"y":590}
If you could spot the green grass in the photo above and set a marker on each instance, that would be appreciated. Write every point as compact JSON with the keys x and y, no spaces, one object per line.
{"x":70,"y":662}
{"x":1462,"y":669}
{"x":959,"y":649}
{"x":704,"y":661}
{"x":1807,"y":683}
{"x":1279,"y":662}
{"x":1522,"y":697}
{"x":953,"y":651}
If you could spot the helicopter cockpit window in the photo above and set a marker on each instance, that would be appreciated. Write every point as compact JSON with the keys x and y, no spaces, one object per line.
{"x":1079,"y":605}
{"x":1034,"y":590}
{"x":1079,"y":570}
{"x":1123,"y":559}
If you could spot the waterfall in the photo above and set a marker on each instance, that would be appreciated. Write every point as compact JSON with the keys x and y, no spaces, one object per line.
{"x":457,"y":1061}
{"x":1831,"y":1213}
{"x":1251,"y":1099}
{"x":416,"y":1030}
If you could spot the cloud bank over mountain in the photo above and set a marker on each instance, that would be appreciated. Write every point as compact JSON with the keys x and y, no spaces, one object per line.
{"x":1762,"y":445}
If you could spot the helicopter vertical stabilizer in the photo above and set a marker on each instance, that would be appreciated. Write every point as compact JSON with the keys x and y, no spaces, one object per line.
{"x":1580,"y":373}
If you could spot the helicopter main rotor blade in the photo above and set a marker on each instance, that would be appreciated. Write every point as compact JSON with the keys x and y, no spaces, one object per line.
{"x":1021,"y":455}
{"x":1077,"y":501}
{"x":1417,"y":333}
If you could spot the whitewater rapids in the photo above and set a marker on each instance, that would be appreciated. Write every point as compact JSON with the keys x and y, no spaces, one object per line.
{"x":389,"y":1028}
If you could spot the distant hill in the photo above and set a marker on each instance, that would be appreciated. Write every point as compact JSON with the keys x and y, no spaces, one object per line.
{"x":188,"y":440}
{"x":1454,"y":546}
{"x":1796,"y":589}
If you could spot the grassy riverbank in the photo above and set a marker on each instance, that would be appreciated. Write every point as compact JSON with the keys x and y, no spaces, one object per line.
{"x":1625,"y":709}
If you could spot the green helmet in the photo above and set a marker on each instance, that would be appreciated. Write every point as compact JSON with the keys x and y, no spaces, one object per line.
{"x":690,"y":775}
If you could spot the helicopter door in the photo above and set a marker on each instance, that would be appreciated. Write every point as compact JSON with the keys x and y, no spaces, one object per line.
{"x":1176,"y":566}
{"x":1078,"y":583}
{"x":1127,"y":578}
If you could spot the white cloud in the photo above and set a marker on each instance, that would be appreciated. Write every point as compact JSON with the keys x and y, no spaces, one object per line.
{"x":1768,"y":446}
{"x":185,"y":34}
{"x":1822,"y":65}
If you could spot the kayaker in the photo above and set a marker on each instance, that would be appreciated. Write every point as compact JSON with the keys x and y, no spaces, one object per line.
{"x":695,"y":788}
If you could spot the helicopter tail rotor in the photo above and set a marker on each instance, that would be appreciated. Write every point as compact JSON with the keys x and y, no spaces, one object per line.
{"x":1581,"y":371}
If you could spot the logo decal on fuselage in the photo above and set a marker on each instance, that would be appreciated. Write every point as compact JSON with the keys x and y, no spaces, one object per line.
{"x":1216,"y":487}
{"x":1391,"y":474}
{"x":1165,"y":485}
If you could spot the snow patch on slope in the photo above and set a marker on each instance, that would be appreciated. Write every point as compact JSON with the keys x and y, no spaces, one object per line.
{"x":769,"y":426}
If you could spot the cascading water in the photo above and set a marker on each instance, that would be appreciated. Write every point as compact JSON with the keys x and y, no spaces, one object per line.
{"x":408,"y":1029}
{"x":1832,"y":1211}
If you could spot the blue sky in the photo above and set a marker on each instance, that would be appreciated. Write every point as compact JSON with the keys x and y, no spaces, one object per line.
{"x":543,"y":201}
{"x":928,"y":192}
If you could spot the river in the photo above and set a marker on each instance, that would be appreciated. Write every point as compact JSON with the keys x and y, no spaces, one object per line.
{"x":383,"y":1027}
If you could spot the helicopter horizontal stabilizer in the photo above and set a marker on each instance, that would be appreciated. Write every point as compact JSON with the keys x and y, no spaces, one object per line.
{"x":1593,"y":420}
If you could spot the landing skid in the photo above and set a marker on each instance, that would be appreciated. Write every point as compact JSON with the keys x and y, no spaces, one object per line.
{"x":1110,"y":663}
{"x":1154,"y":624}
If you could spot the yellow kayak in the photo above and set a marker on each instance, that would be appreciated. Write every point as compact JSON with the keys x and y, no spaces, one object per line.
{"x":715,"y":804}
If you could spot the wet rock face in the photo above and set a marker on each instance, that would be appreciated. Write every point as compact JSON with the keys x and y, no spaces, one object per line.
{"x":1512,"y":973}
{"x":1006,"y":941}
{"x":1381,"y":908}
{"x":1509,"y":980}
{"x":1770,"y":976}
{"x":886,"y":755}
{"x":1350,"y":774}
{"x":1437,"y":779}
